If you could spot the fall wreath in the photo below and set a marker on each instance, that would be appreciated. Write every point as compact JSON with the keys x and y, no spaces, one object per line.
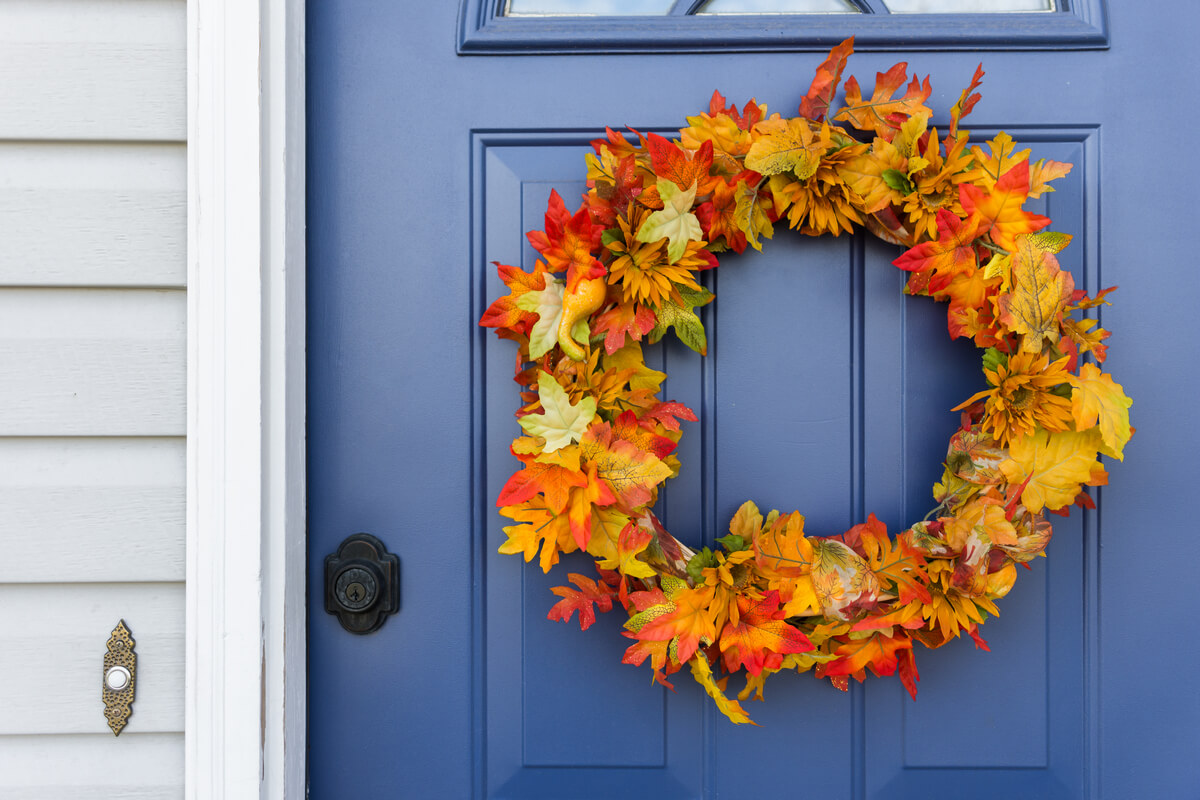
{"x":598,"y":440}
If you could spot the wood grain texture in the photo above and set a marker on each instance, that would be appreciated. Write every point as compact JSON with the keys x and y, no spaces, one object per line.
{"x":52,"y":644}
{"x":91,"y":509}
{"x":93,"y":69}
{"x":75,"y":214}
{"x":92,"y":362}
{"x":92,"y":767}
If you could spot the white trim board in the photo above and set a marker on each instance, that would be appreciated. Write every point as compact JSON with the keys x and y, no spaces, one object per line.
{"x":245,"y":676}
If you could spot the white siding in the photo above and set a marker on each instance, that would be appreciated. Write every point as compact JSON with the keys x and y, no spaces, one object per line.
{"x":92,"y":391}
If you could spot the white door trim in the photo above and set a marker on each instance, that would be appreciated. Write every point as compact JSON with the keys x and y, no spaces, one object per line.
{"x":245,"y":685}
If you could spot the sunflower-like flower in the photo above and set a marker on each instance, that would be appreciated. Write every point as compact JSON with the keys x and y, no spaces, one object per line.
{"x":935,"y":184}
{"x":1021,"y":397}
{"x":818,"y":200}
{"x":643,"y":270}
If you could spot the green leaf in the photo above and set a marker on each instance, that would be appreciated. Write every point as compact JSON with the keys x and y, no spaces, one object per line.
{"x":696,"y":297}
{"x":547,"y":304}
{"x":675,"y":222}
{"x":562,"y":423}
{"x":897,"y":181}
{"x":732,"y":542}
{"x":993,"y":358}
{"x":612,"y":235}
{"x":700,"y":562}
{"x":687,"y":326}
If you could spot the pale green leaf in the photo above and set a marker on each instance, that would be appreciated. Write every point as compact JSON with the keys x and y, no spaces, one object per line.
{"x":675,"y":222}
{"x":562,"y":423}
{"x":547,"y":304}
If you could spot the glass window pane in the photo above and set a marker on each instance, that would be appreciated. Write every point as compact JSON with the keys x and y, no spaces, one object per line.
{"x":599,"y":8}
{"x":778,"y":7}
{"x":966,"y":6}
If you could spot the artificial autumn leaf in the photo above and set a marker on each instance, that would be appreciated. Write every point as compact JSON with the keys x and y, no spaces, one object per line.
{"x":953,"y":253}
{"x":1054,"y":466}
{"x":966,"y":102}
{"x":623,"y":320}
{"x":883,"y":114}
{"x":760,"y":638}
{"x":975,"y":457}
{"x":585,"y":600}
{"x":1000,"y":213}
{"x":631,"y":473}
{"x":783,"y":549}
{"x":718,"y":217}
{"x":893,"y":560}
{"x":1098,"y":401}
{"x":815,"y":104}
{"x":733,"y":710}
{"x":627,"y":426}
{"x":1043,"y":171}
{"x":669,"y":414}
{"x":671,"y":164}
{"x":1040,"y":292}
{"x":877,"y":650}
{"x":582,"y":502}
{"x":675,"y":222}
{"x":747,"y":522}
{"x":795,"y":147}
{"x":561,"y":423}
{"x":632,"y":541}
{"x":504,"y":312}
{"x":568,"y":242}
{"x":751,"y":214}
{"x":684,"y":620}
{"x":552,"y":480}
{"x":537,"y":527}
{"x":607,"y":524}
{"x":687,"y":327}
{"x":865,"y":175}
{"x":547,"y":305}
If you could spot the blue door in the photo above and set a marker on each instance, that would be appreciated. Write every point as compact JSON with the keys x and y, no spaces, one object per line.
{"x":436,"y":135}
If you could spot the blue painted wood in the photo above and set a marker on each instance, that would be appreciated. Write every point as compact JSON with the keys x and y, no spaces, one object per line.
{"x":825,"y":390}
{"x":483,"y":29}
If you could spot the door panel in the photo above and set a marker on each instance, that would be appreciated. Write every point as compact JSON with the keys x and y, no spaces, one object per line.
{"x":825,"y":389}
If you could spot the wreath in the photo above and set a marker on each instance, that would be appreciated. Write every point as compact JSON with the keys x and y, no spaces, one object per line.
{"x":599,"y":441}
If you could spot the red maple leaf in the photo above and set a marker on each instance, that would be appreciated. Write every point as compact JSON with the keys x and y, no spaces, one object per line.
{"x":938,"y":262}
{"x":585,"y":600}
{"x":761,"y":638}
{"x":815,"y":104}
{"x":568,"y":242}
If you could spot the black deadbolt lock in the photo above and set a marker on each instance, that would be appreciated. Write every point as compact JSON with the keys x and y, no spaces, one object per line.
{"x":362,"y":583}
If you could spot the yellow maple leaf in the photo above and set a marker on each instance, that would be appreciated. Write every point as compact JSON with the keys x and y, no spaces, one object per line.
{"x":1057,"y":466}
{"x":1040,"y":292}
{"x":1097,"y":400}
{"x":791,"y":147}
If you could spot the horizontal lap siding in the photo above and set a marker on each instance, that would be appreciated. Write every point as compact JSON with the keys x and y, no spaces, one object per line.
{"x":93,"y":326}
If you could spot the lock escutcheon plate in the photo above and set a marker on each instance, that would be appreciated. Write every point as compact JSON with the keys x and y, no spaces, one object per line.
{"x":362,"y":583}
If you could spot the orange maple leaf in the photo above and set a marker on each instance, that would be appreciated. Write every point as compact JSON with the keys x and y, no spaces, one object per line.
{"x":568,"y":242}
{"x":877,"y":650}
{"x":684,"y":171}
{"x":815,"y":104}
{"x":631,"y":473}
{"x":760,"y":638}
{"x":935,"y":264}
{"x":624,"y":319}
{"x":684,"y":620}
{"x":552,"y":480}
{"x":504,"y":313}
{"x":1000,"y":212}
{"x":883,"y":114}
{"x":783,"y":549}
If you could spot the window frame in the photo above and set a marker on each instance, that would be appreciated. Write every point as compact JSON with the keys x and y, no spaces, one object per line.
{"x":1078,"y":25}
